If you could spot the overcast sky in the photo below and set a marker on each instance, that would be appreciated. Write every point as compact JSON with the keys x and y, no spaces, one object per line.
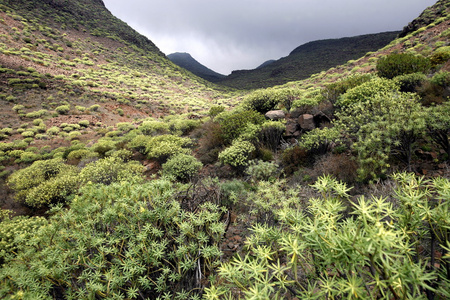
{"x":230,"y":35}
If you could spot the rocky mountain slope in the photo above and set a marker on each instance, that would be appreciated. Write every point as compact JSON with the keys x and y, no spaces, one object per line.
{"x":307,"y":59}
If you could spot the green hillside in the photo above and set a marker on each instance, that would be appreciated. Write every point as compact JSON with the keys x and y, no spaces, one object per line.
{"x":123,"y":176}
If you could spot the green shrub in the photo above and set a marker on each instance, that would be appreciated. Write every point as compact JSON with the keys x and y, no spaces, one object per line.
{"x":18,"y":108}
{"x":215,"y":110}
{"x":233,"y":123}
{"x":367,"y":90}
{"x":28,"y":133}
{"x":261,"y":170}
{"x":153,"y":127}
{"x":119,"y":241}
{"x":111,"y":169}
{"x":238,"y":154}
{"x":94,"y":107}
{"x":163,"y":147}
{"x":396,"y":64}
{"x":410,"y":82}
{"x":440,"y":56}
{"x":103,"y":146}
{"x":261,"y":100}
{"x":271,"y":133}
{"x":84,"y":123}
{"x":15,"y":233}
{"x":40,"y":184}
{"x":309,"y":248}
{"x":181,"y":166}
{"x":441,"y":79}
{"x":62,"y":109}
{"x":81,"y":154}
{"x":332,"y":91}
{"x":54,"y":130}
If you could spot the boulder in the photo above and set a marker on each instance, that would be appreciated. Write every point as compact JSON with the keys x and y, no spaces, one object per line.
{"x":275,"y":115}
{"x":306,"y":122}
{"x":291,"y":128}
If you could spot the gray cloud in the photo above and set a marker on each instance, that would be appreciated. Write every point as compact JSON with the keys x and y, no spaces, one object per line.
{"x":242,"y":34}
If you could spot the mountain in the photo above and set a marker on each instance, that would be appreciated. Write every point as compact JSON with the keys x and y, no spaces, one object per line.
{"x":266,"y":63}
{"x":186,"y":61}
{"x":307,"y":59}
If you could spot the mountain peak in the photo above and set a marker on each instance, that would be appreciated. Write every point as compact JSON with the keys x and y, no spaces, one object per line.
{"x":186,"y":61}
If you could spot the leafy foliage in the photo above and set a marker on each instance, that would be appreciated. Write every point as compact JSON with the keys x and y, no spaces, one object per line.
{"x":181,"y":166}
{"x":118,"y":241}
{"x":319,"y":252}
{"x":238,"y":154}
{"x":396,"y":64}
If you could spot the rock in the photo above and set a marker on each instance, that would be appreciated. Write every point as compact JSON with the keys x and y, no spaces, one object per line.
{"x":291,"y":128}
{"x":306,"y":121}
{"x":275,"y":115}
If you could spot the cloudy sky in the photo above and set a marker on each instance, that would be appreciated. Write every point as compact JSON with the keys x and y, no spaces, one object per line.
{"x":230,"y":35}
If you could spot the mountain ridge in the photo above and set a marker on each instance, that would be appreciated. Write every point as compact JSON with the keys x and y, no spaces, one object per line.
{"x":186,"y":61}
{"x":308,"y":59}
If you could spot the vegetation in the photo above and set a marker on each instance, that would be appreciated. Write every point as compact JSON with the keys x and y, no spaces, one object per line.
{"x":123,"y":176}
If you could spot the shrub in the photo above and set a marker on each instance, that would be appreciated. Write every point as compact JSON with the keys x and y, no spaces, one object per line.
{"x":363,"y":92}
{"x":38,"y":185}
{"x":53,"y":130}
{"x":410,"y":82}
{"x":234,"y":123}
{"x":215,"y":110}
{"x":15,"y":233}
{"x":379,"y":248}
{"x":270,"y":134}
{"x":80,"y":154}
{"x":62,"y":109}
{"x":441,"y":79}
{"x":103,"y":146}
{"x":111,"y":169}
{"x":332,"y":91}
{"x":84,"y":123}
{"x":163,"y":147}
{"x":135,"y":237}
{"x":261,"y":170}
{"x":94,"y":107}
{"x":181,"y":166}
{"x":153,"y":127}
{"x":261,"y":100}
{"x":238,"y":154}
{"x":396,"y":64}
{"x":28,"y":133}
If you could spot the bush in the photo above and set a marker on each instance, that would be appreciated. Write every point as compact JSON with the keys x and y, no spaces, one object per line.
{"x":396,"y":64}
{"x":62,"y":109}
{"x":238,"y":154}
{"x":261,"y":100}
{"x":271,"y":133}
{"x":111,"y":169}
{"x":332,"y":91}
{"x":38,"y":185}
{"x":119,"y":241}
{"x":215,"y":110}
{"x":261,"y":170}
{"x":53,"y":130}
{"x":234,"y":123}
{"x":84,"y":123}
{"x":153,"y":127}
{"x":410,"y":82}
{"x":367,"y":90}
{"x":181,"y":166}
{"x":441,"y":79}
{"x":163,"y":147}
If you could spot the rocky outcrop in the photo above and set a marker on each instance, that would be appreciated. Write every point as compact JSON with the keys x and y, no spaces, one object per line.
{"x":306,"y":122}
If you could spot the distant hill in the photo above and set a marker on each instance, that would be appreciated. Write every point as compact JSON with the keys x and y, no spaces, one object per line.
{"x":186,"y":61}
{"x":266,"y":63}
{"x":307,"y":59}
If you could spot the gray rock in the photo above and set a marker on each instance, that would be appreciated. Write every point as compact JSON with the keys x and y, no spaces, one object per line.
{"x":275,"y":115}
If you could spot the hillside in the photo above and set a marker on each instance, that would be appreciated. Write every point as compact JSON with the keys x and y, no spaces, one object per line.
{"x":186,"y":61}
{"x":307,"y":59}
